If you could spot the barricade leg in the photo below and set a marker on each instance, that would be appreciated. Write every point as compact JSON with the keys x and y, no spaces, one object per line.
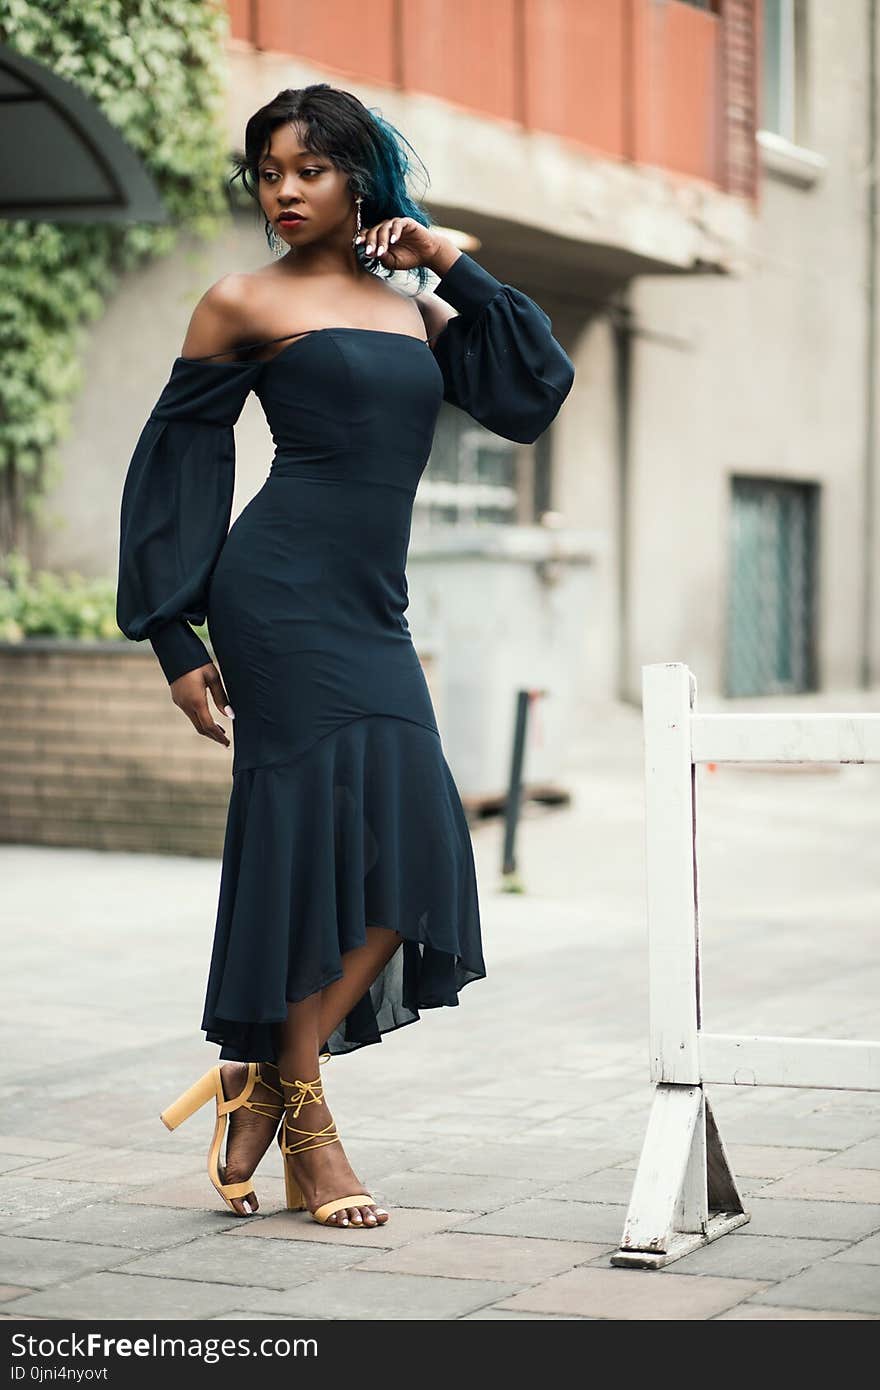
{"x":685,"y":1193}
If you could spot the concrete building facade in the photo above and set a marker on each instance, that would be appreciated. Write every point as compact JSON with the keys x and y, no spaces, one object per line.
{"x":688,"y":190}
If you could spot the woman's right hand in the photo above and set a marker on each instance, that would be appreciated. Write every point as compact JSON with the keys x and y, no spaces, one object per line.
{"x":190,"y":693}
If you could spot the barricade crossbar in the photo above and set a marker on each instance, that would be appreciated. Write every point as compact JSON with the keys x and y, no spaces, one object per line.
{"x":685,"y":1193}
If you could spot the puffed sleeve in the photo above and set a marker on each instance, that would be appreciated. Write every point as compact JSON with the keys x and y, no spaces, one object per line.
{"x":499,"y":359}
{"x":175,"y":509}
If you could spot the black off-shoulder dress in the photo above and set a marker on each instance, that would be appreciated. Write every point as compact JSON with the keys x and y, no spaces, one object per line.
{"x":343,"y":812}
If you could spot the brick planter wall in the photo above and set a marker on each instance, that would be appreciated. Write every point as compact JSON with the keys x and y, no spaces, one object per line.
{"x":94,"y":754}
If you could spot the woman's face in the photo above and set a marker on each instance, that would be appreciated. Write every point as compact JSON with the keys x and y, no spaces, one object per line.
{"x":294,"y":180}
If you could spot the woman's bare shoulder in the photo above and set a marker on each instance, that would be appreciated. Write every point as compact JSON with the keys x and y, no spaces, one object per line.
{"x":219,"y":321}
{"x":435,"y":312}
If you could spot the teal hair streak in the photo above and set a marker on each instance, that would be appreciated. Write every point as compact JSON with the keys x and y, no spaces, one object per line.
{"x":385,"y":189}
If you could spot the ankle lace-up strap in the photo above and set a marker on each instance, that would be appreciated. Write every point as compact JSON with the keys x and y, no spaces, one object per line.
{"x":305,"y":1093}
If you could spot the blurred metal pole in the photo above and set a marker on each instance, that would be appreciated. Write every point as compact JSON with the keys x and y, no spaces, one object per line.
{"x":869,"y":503}
{"x":514,"y":791}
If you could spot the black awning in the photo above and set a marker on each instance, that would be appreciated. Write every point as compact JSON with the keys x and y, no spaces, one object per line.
{"x":62,"y":160}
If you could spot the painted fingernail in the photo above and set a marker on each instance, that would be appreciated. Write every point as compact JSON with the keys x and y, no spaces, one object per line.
{"x":227,"y":709}
{"x":394,"y":238}
{"x":370,"y":249}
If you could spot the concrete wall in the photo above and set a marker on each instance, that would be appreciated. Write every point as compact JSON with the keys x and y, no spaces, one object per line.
{"x":127,"y":362}
{"x":760,"y":372}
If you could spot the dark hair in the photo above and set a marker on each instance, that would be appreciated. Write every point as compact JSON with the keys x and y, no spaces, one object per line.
{"x":355,"y":138}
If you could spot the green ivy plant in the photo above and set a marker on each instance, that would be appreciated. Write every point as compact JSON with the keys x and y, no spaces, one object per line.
{"x":41,"y":603}
{"x":155,"y":68}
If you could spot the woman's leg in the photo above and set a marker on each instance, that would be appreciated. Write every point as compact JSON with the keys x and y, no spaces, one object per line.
{"x":324,"y":1172}
{"x":309,"y":1023}
{"x":360,"y":967}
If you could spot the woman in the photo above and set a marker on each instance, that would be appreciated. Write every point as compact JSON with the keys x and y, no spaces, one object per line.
{"x":348,"y":898}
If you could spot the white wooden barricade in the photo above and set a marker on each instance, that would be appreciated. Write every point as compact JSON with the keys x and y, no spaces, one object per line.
{"x":685,"y":1193}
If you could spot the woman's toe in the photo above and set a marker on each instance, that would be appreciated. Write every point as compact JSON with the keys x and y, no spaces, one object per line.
{"x":354,"y":1216}
{"x":369,"y":1216}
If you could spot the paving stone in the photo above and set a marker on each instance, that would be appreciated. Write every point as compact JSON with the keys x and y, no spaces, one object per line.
{"x":864,"y":1252}
{"x":507,"y":1315}
{"x":270,"y":1264}
{"x":825,"y":1183}
{"x":470,"y":1129}
{"x":594,"y":1222}
{"x":542,"y":1165}
{"x":601,"y":1132}
{"x":737,"y":1256}
{"x":376,"y":1159}
{"x":121,"y":1296}
{"x":196,"y":1191}
{"x":782,"y":1216}
{"x":771,"y":1161}
{"x":10,"y":1163}
{"x":609,"y":1185}
{"x":809,"y":1132}
{"x":238,"y":1316}
{"x":122,"y":1167}
{"x":23,"y":1199}
{"x":458,"y":1255}
{"x":24,"y":1146}
{"x":461,"y":1191}
{"x":8,"y":1291}
{"x":864,"y":1155}
{"x":834,"y":1284}
{"x":632,"y":1294}
{"x":126,"y":1224}
{"x":404,"y":1225}
{"x":760,"y":1312}
{"x":356,"y":1294}
{"x":37,"y":1263}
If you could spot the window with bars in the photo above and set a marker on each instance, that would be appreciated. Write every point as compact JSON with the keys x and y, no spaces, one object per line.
{"x":473,"y":477}
{"x":771,"y":623}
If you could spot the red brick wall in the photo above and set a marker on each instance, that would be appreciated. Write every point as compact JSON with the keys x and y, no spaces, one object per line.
{"x":742,"y":46}
{"x":658,"y":82}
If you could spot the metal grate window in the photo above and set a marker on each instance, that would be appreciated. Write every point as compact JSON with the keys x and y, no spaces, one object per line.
{"x":472,"y":476}
{"x":771,"y":610}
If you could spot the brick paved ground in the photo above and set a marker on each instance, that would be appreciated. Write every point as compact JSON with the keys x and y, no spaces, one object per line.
{"x":503,"y":1134}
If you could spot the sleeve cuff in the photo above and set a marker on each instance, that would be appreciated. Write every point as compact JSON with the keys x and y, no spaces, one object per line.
{"x":179,"y":649}
{"x":467,"y":286}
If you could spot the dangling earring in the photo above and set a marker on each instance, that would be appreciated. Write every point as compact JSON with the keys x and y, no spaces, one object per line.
{"x":358,"y":200}
{"x":277,"y":244}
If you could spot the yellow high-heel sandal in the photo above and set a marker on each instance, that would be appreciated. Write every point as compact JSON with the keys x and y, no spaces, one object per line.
{"x":210,"y":1087}
{"x":309,"y":1093}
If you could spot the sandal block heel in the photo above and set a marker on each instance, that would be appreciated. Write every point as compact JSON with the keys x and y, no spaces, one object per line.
{"x":210,"y":1087}
{"x":293,"y":1193}
{"x":193,"y":1099}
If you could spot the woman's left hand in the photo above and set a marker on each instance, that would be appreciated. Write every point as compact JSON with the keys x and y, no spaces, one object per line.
{"x":401,"y":243}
